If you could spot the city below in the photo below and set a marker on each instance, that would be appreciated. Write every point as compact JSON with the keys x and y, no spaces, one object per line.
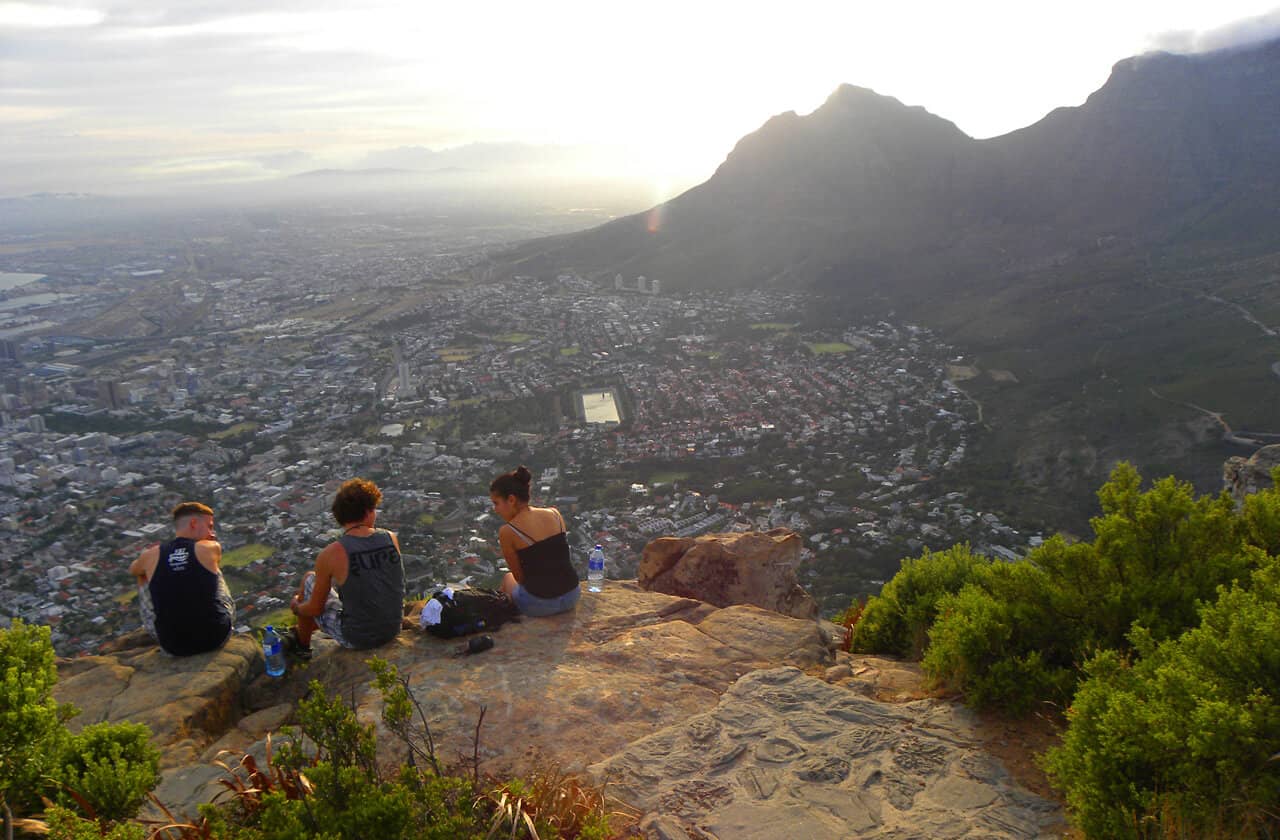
{"x":253,"y":363}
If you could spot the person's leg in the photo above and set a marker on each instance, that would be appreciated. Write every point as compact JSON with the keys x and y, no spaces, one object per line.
{"x":306,"y":623}
{"x":509,"y":586}
{"x":535,"y":607}
{"x":227,"y":602}
{"x":330,"y":620}
{"x":147,"y":610}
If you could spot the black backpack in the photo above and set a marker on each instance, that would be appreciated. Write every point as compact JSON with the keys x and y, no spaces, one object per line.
{"x":472,"y":611}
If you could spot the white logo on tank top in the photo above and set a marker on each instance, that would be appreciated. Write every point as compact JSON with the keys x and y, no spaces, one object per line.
{"x":178,"y":559}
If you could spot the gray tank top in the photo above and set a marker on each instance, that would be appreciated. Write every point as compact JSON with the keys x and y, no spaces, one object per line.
{"x":373,"y":595}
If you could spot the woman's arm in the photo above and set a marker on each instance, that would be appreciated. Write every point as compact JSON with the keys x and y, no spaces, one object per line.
{"x":507,"y":540}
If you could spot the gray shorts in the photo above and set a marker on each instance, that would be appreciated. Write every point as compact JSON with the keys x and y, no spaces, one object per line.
{"x":330,"y":620}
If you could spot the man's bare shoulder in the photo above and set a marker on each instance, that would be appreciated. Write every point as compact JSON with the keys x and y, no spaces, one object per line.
{"x":209,"y":548}
{"x":330,"y":554}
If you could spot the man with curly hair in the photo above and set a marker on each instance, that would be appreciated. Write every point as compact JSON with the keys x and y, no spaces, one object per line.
{"x":356,"y":592}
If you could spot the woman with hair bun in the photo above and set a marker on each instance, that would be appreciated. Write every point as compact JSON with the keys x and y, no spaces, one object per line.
{"x":542,"y":580}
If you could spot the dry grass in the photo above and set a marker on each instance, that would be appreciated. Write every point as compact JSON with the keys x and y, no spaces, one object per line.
{"x":556,"y":799}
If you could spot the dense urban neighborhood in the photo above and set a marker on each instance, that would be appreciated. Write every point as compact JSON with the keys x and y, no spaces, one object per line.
{"x":194,"y":373}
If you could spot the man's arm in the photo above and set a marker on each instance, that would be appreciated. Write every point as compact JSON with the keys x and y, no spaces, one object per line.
{"x":145,"y":564}
{"x":324,"y":581}
{"x":209,"y":553}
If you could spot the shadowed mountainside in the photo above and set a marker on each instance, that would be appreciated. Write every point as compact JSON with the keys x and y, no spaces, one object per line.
{"x":866,"y":187}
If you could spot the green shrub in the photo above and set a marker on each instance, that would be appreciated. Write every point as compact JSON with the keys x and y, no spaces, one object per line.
{"x":1004,"y":641}
{"x":32,"y":729}
{"x":1187,"y":734}
{"x":897,"y":620}
{"x":66,"y":825}
{"x":346,"y":796}
{"x":112,"y":766}
{"x":1020,"y":635}
{"x":1157,"y":555}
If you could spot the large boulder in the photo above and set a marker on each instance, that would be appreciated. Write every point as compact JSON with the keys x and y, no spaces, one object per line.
{"x":724,"y":569}
{"x":1242,"y":476}
{"x":187,"y":701}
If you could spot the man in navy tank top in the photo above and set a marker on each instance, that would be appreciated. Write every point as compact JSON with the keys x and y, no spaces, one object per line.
{"x":356,"y":592}
{"x":183,"y":598}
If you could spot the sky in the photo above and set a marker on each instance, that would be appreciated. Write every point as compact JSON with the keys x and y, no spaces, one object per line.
{"x":142,"y":96}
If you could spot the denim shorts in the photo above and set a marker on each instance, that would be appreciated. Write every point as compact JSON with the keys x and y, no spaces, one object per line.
{"x":330,"y":620}
{"x":532,"y":605}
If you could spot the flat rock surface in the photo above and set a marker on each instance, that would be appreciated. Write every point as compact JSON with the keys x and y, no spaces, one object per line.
{"x":684,"y":704}
{"x":574,"y":688}
{"x":783,"y":754}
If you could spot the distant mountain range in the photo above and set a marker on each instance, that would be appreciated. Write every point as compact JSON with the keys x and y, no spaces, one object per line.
{"x":1111,"y":256}
{"x":866,"y":188}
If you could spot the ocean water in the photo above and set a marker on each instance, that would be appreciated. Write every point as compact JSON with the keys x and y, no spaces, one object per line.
{"x":10,"y":280}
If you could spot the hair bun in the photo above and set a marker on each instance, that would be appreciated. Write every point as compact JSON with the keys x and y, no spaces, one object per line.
{"x":523,"y":475}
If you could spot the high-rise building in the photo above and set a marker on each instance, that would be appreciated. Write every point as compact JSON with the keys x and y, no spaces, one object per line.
{"x":8,"y":351}
{"x":111,"y":394}
{"x":36,"y":423}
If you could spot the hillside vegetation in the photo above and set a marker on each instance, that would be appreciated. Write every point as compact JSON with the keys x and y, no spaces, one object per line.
{"x":1159,"y":640}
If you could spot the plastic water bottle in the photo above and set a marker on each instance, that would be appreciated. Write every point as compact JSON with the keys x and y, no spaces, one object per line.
{"x":273,"y":651}
{"x":595,"y":569}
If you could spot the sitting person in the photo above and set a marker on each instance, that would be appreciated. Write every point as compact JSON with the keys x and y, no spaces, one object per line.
{"x":542,"y":580}
{"x":183,"y":598}
{"x":364,"y":564}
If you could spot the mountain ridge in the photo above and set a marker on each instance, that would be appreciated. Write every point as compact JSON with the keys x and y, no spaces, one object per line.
{"x":1134,"y":160}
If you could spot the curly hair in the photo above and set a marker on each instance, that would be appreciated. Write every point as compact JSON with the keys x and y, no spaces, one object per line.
{"x":514,"y":483}
{"x":354,"y":499}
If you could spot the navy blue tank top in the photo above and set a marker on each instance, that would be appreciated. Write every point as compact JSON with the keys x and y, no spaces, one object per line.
{"x":190,"y":618}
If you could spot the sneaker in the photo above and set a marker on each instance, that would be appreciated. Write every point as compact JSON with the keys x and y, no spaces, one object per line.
{"x":293,"y":647}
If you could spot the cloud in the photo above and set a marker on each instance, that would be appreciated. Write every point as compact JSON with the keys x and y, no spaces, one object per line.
{"x":45,"y":16}
{"x":1240,"y":33}
{"x":286,"y":162}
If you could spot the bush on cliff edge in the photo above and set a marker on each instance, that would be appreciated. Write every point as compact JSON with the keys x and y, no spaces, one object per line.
{"x":897,"y":621}
{"x":107,"y":770}
{"x":1186,"y":734}
{"x":1175,"y":728}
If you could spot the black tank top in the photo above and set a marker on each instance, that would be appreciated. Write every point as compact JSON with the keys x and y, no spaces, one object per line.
{"x":190,"y":618}
{"x":546,"y":566}
{"x":373,"y":594}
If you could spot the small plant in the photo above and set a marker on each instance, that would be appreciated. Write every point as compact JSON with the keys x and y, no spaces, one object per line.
{"x":398,"y":707}
{"x":248,"y":784}
{"x":108,"y":769}
{"x":849,"y":620}
{"x":552,"y":803}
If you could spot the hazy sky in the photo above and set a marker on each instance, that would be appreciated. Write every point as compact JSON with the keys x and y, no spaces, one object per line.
{"x":136,"y":95}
